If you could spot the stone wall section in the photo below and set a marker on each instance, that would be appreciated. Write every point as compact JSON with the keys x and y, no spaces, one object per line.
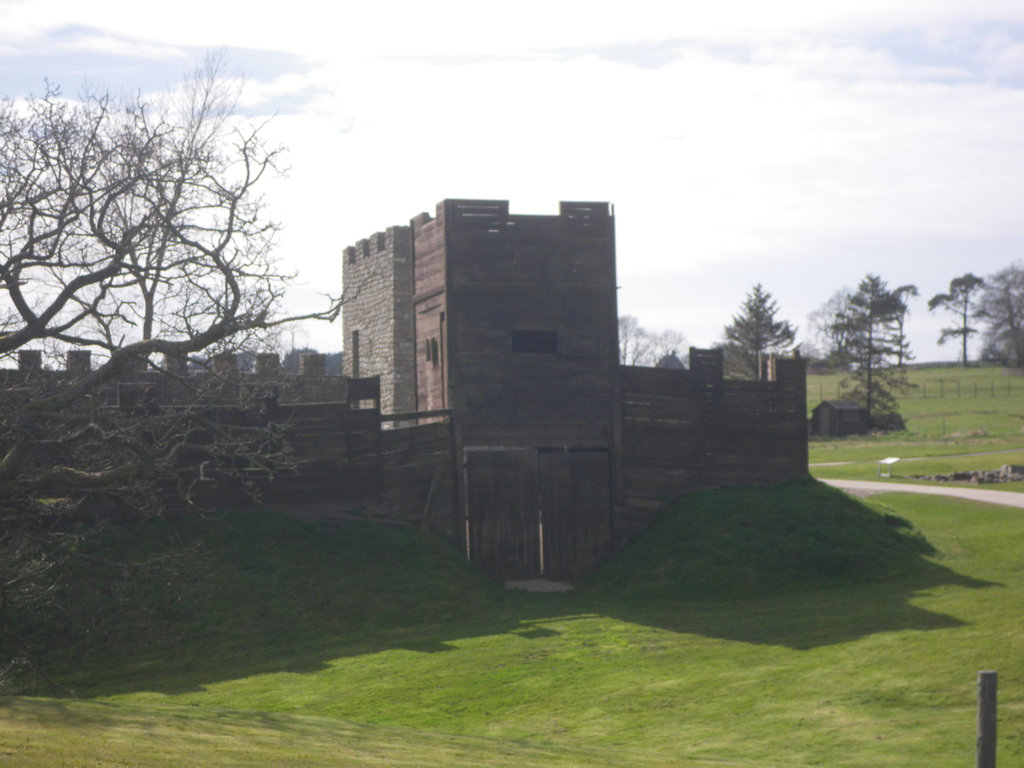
{"x":377,"y":316}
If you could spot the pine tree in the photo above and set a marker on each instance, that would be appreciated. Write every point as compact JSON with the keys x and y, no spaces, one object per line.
{"x":903,"y":355}
{"x":876,"y":347}
{"x":960,"y":301}
{"x":755,"y":332}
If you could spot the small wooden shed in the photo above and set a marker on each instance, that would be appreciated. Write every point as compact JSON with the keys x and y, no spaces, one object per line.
{"x":838,"y":418}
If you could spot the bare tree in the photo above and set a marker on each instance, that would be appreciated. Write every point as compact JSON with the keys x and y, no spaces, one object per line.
{"x":1002,"y":307}
{"x":639,"y":346}
{"x":138,"y":233}
{"x":668,"y":348}
{"x":634,"y":341}
{"x":831,"y":325}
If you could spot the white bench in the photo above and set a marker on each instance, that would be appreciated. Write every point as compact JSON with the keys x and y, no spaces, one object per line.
{"x":887,"y":464}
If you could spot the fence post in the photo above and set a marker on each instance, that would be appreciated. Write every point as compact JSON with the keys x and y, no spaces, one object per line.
{"x":986,"y":755}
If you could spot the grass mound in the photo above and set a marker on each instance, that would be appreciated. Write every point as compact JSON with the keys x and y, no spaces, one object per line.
{"x":242,"y":588}
{"x":878,"y":673}
{"x":255,"y":591}
{"x":752,"y":541}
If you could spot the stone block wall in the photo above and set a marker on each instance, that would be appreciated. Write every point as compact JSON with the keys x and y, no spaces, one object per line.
{"x":377,"y":316}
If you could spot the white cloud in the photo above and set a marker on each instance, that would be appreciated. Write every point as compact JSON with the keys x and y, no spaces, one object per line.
{"x":801,"y":144}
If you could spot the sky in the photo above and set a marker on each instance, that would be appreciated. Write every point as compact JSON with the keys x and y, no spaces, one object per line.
{"x":800,"y":145}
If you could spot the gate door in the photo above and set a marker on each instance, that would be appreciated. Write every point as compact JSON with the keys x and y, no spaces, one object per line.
{"x":502,"y":527}
{"x":575,"y":509}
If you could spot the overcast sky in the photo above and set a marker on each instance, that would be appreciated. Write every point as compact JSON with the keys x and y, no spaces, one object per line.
{"x":801,"y":145}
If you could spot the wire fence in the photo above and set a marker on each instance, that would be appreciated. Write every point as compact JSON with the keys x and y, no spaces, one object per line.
{"x":932,"y":388}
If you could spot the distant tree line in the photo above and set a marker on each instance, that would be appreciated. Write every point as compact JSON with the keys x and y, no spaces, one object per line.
{"x":640,"y":346}
{"x":863,"y":331}
{"x":992,"y":307}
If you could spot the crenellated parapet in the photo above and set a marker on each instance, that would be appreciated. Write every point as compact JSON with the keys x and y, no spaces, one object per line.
{"x":220,"y":379}
{"x":378,"y":244}
{"x":687,"y":430}
{"x":377,"y":314}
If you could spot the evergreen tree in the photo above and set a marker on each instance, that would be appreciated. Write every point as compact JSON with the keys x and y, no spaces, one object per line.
{"x":960,"y":301}
{"x":875,"y":350}
{"x":902,"y":293}
{"x":756,"y":332}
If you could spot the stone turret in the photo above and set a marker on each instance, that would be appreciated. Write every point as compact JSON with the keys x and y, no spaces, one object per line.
{"x":377,"y":315}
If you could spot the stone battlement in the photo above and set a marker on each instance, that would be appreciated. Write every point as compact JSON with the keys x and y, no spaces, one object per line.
{"x":378,"y":244}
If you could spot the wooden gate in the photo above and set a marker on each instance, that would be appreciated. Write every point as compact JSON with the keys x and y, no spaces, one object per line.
{"x":502,"y":530}
{"x":575,"y":511}
{"x":537,"y":512}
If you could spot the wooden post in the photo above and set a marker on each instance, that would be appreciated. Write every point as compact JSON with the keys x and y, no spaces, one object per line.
{"x":430,"y":498}
{"x":987,"y":719}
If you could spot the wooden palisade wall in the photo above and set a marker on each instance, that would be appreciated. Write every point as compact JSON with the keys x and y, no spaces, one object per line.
{"x":687,"y":430}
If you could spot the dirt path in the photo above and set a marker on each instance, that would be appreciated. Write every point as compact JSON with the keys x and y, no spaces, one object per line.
{"x":869,"y":487}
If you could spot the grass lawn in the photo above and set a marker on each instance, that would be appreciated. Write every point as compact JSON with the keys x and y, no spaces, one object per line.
{"x":811,"y":629}
{"x":949,"y":412}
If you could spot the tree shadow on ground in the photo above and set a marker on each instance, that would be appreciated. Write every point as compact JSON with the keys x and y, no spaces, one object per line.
{"x":805,"y":619}
{"x":281,"y":596}
{"x":799,"y":621}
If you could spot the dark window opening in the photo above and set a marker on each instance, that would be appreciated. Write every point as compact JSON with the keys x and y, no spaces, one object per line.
{"x":432,"y":350}
{"x":355,"y":354}
{"x":540,"y":342}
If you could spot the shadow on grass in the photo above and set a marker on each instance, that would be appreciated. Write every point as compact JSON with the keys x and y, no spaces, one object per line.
{"x":804,"y":619}
{"x":798,"y":567}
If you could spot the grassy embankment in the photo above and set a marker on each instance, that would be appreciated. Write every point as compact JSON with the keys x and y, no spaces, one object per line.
{"x":760,"y":627}
{"x":949,"y":412}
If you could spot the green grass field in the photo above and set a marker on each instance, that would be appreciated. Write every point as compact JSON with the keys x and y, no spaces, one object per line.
{"x":949,"y":412}
{"x":790,"y":626}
